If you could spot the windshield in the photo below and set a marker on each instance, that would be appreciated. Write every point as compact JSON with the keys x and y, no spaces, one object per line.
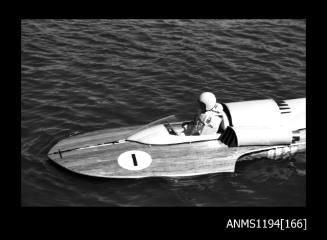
{"x":168,"y":119}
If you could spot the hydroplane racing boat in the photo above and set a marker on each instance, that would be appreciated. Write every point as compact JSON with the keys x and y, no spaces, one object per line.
{"x":253,"y":129}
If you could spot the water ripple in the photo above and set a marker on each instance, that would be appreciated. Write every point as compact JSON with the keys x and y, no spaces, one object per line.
{"x":82,"y":75}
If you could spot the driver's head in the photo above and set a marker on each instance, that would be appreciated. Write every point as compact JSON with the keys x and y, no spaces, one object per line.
{"x":207,"y":101}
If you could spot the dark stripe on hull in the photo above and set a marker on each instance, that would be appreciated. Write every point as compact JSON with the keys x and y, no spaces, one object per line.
{"x":226,"y":110}
{"x":283,"y":107}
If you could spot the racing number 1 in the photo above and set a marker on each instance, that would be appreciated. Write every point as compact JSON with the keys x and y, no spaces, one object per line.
{"x":134,"y":159}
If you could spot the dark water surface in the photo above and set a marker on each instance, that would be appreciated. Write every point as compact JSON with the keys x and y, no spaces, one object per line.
{"x":85,"y":75}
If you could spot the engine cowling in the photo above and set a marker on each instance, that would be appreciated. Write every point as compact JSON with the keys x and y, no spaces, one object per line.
{"x":264,"y":122}
{"x":267,"y":113}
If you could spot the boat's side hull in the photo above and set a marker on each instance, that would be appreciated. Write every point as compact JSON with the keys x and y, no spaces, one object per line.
{"x":110,"y":153}
{"x":166,"y":161}
{"x":174,"y":160}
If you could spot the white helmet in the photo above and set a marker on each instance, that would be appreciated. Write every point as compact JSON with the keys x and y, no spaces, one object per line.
{"x":208,"y":99}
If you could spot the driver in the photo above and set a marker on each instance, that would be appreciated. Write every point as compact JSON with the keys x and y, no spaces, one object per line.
{"x":210,"y":116}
